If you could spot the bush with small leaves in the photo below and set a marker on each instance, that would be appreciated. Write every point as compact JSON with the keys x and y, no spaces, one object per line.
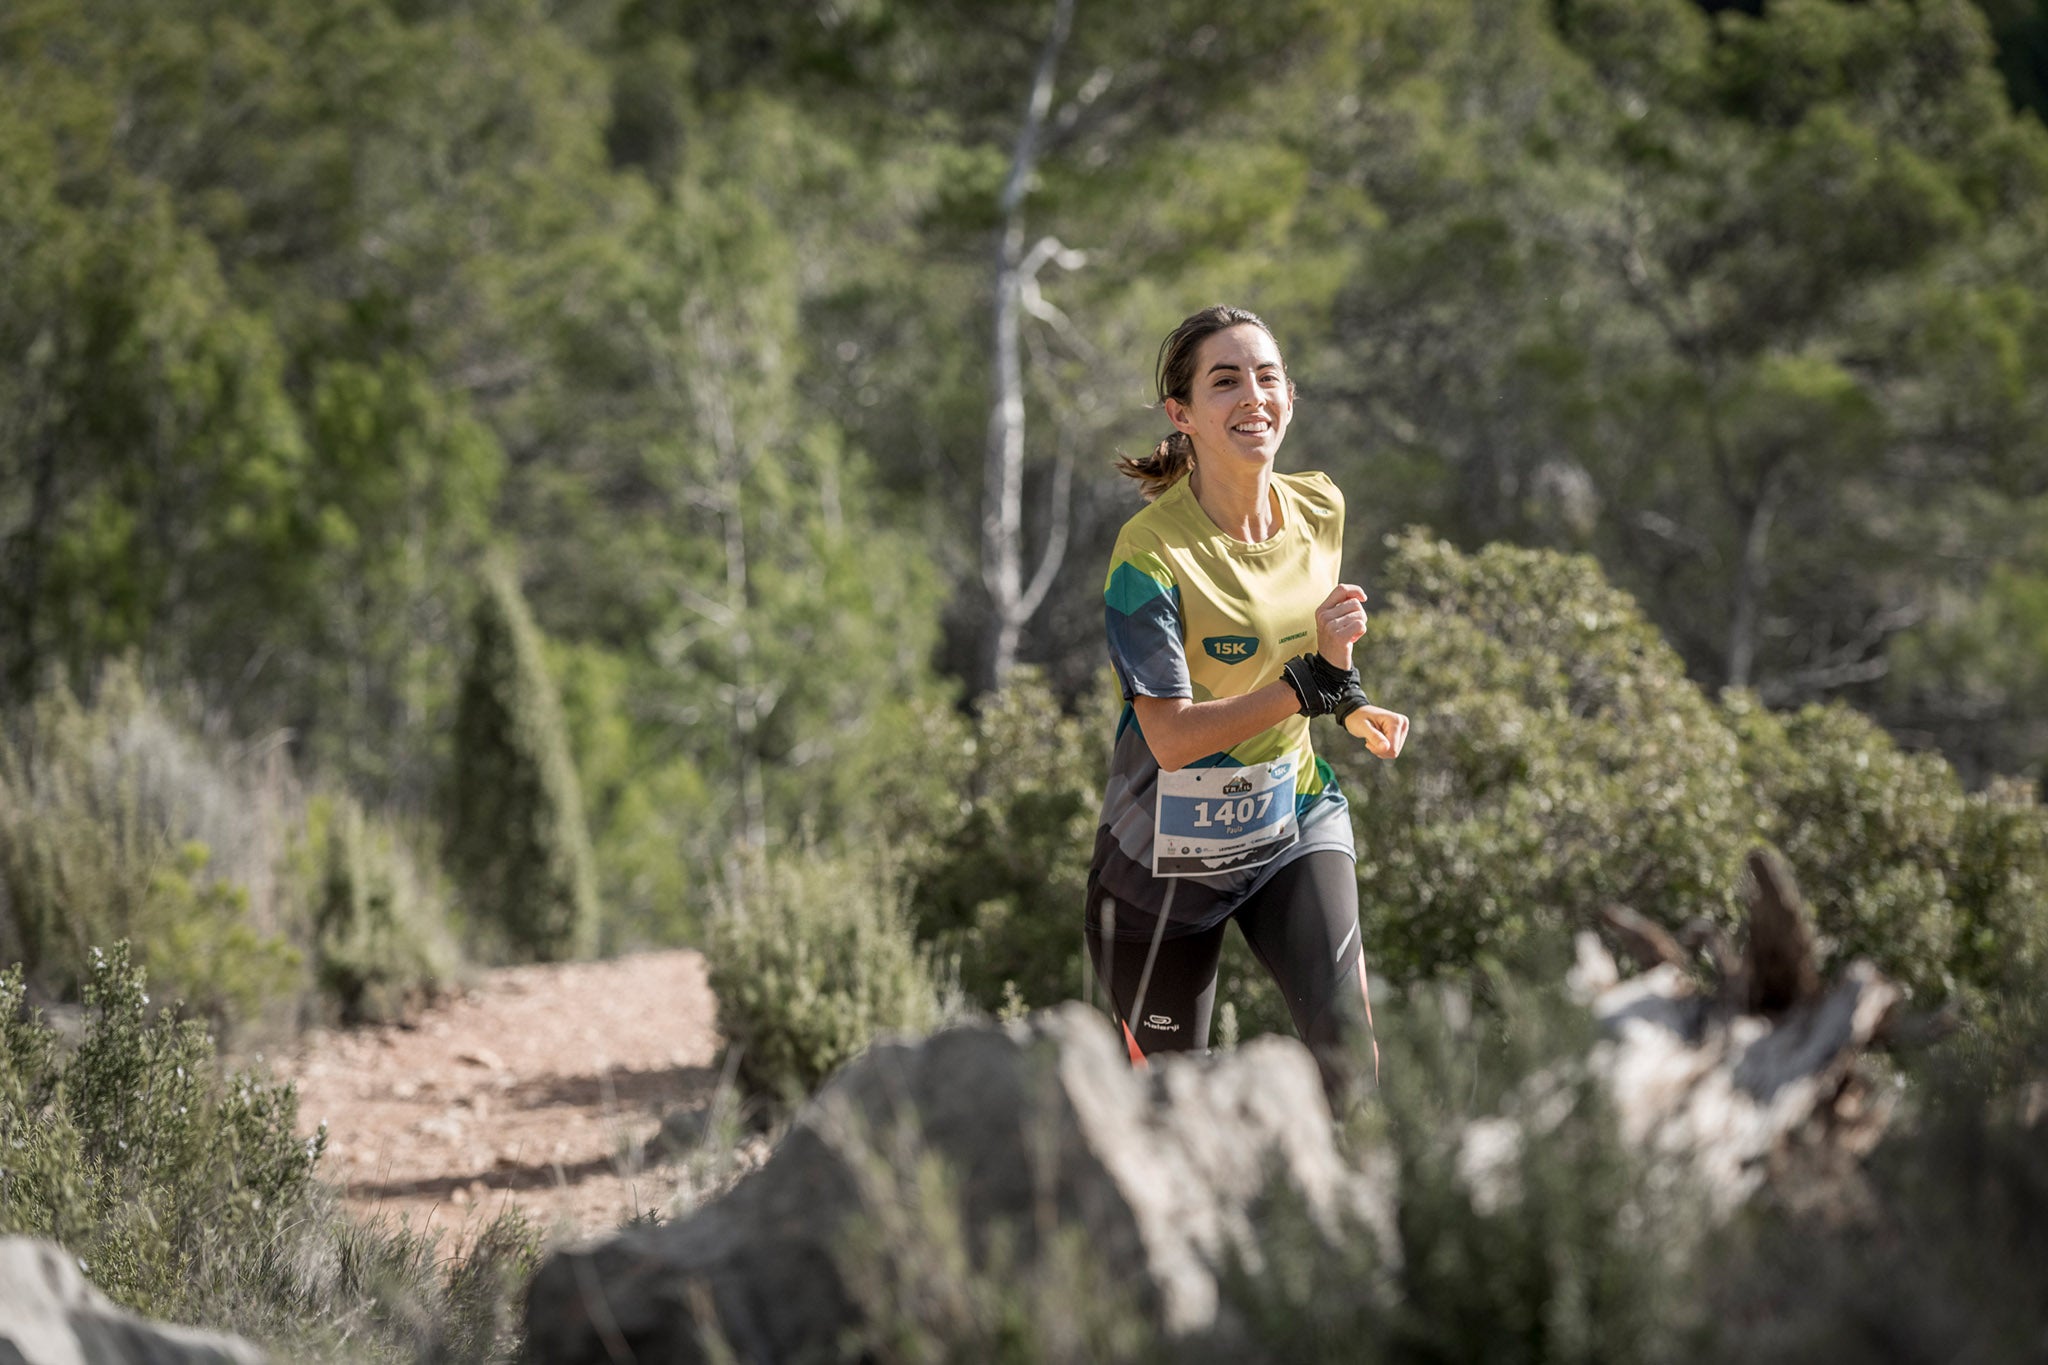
{"x":813,"y":961}
{"x":188,"y":1194}
{"x":1000,"y":887}
{"x":1560,"y":759}
{"x":171,"y":1183}
{"x":1943,"y":890}
{"x":379,"y":934}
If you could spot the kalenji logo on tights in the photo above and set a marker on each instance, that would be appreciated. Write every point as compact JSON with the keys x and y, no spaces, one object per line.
{"x":1162,"y":1022}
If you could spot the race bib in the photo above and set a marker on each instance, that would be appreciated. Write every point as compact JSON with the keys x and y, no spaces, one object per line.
{"x":1212,"y":820}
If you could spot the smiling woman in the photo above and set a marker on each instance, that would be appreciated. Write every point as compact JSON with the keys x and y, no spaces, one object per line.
{"x":1217,"y":808}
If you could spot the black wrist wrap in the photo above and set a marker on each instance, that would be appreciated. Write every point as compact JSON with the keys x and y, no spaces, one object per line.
{"x":1323,"y":688}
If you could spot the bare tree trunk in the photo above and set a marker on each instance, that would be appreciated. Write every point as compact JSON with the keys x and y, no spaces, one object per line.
{"x":1002,"y":513}
{"x":751,"y":700}
{"x":694,"y":376}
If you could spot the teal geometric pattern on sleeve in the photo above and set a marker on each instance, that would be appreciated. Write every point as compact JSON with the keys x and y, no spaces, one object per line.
{"x":1141,"y":614}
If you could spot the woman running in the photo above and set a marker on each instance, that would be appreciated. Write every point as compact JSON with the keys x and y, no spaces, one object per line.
{"x":1229,"y":630}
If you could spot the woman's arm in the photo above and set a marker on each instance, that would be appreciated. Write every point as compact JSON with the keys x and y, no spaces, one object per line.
{"x":1180,"y":730}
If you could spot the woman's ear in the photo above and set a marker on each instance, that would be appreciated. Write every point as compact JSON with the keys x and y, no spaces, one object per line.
{"x":1177,"y":413}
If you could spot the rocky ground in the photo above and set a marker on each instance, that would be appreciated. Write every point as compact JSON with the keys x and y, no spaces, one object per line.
{"x":538,"y":1087}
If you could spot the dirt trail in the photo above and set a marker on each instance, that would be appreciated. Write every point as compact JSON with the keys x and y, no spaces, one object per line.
{"x":538,"y":1087}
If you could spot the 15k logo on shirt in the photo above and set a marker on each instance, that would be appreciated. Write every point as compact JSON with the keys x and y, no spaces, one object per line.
{"x":1231,"y":649}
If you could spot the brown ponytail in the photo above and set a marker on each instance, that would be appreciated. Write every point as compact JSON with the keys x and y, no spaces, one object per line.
{"x":1161,"y":469}
{"x":1174,"y":377}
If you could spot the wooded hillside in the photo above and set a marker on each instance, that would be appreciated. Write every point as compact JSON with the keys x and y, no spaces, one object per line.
{"x":786,"y":352}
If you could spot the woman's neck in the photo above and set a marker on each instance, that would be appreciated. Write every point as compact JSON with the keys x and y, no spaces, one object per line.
{"x":1242,"y":505}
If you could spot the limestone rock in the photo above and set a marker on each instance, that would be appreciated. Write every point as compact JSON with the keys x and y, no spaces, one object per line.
{"x":1753,"y":1074}
{"x":1734,"y":1093}
{"x":1044,"y":1125}
{"x":50,"y":1315}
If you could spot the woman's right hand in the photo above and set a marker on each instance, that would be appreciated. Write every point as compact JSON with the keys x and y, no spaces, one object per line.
{"x":1340,"y":623}
{"x":1383,"y":731}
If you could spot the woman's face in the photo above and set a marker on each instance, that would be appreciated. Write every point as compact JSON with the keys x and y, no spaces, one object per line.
{"x":1240,"y":401}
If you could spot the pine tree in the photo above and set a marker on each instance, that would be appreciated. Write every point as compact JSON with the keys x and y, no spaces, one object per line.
{"x":517,"y":839}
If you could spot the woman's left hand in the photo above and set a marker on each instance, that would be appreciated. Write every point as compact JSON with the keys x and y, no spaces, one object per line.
{"x":1383,"y":731}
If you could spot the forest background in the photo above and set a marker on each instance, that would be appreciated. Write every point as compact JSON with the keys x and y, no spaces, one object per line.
{"x":502,"y":479}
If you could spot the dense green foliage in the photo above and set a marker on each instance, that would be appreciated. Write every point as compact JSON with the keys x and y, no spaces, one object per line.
{"x":1560,"y":759}
{"x":516,"y":837}
{"x":1947,"y":890}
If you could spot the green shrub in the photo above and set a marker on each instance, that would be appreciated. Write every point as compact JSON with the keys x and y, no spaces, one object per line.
{"x":199,"y":929}
{"x":379,"y":935}
{"x":2000,"y":889}
{"x":1000,"y":886}
{"x":812,"y":963}
{"x":188,"y":1194}
{"x":516,"y":836}
{"x":1559,"y":759}
{"x":1943,"y":890}
{"x":170,"y":1183}
{"x":115,"y":823}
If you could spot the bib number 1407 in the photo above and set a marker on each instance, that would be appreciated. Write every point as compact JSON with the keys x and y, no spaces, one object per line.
{"x":1246,"y":810}
{"x":1212,"y":820}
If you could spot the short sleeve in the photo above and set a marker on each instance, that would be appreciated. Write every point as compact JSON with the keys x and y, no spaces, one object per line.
{"x":1141,"y":609}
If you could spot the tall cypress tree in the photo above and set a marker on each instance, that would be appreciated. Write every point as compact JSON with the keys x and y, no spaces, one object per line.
{"x":517,"y":839}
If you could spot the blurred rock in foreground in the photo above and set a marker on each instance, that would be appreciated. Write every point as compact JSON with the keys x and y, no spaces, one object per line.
{"x":1044,"y":1126}
{"x":1747,"y":1070}
{"x":50,"y":1315}
{"x":1757,"y":1075}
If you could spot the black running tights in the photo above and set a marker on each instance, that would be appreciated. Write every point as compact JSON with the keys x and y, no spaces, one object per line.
{"x":1302,"y":925}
